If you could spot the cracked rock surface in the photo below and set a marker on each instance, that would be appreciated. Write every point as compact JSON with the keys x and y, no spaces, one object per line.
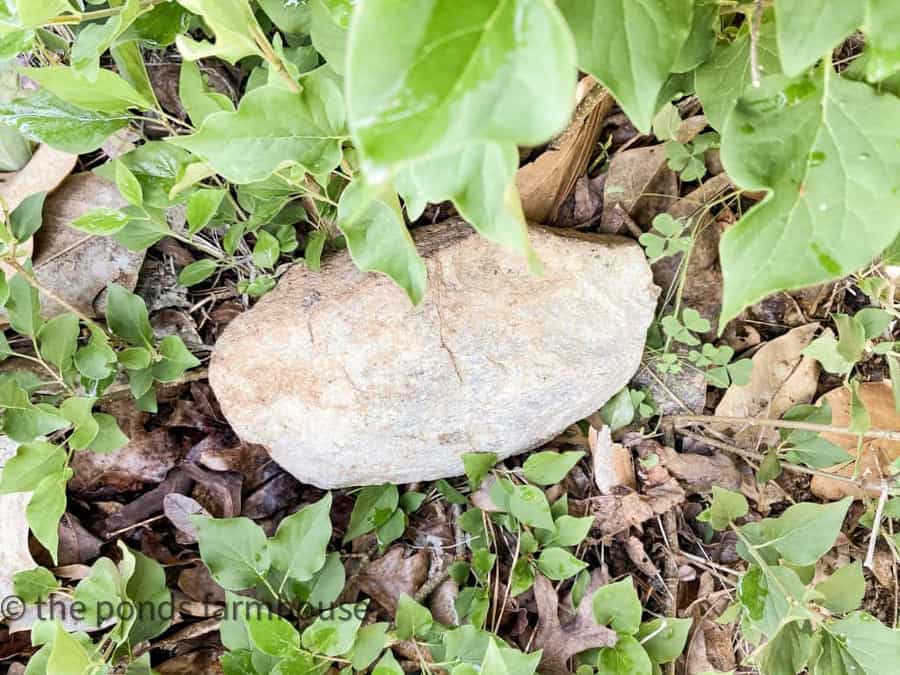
{"x":347,"y":383}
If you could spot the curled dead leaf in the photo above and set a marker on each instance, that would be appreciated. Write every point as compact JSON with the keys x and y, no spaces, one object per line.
{"x":611,"y":462}
{"x":561,"y":641}
{"x":546,"y":182}
{"x":392,"y":575}
{"x":700,"y":472}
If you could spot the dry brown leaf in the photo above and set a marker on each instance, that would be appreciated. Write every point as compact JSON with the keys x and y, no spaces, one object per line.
{"x":611,"y":462}
{"x":701,"y":472}
{"x":617,"y":513}
{"x":443,"y":603}
{"x":392,"y":575}
{"x":147,"y":458}
{"x":634,"y":547}
{"x":180,"y":510}
{"x":44,"y":172}
{"x":545,"y":183}
{"x":782,"y":377}
{"x":634,"y":174}
{"x":560,"y":642}
{"x":877,"y":453}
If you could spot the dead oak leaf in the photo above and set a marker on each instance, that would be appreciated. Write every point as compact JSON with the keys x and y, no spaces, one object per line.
{"x":560,"y":642}
{"x":394,"y":574}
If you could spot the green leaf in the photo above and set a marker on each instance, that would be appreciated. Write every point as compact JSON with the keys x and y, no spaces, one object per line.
{"x":408,"y":100}
{"x":101,"y":592}
{"x":529,"y":505}
{"x":374,"y":505}
{"x":413,"y":620}
{"x":312,"y":254}
{"x":26,"y":218}
{"x":96,"y":359}
{"x":628,"y":657}
{"x":664,"y":639}
{"x":370,"y":641}
{"x":334,"y":632}
{"x":77,"y":410}
{"x":273,"y":635}
{"x":329,"y":25}
{"x":874,"y":647}
{"x":129,"y":61}
{"x":102,"y":221}
{"x":843,"y":591}
{"x":197,"y":271}
{"x":30,"y":465}
{"x":34,"y":585}
{"x":860,"y":420}
{"x":701,"y":39}
{"x":522,"y":577}
{"x":126,"y":315}
{"x":147,"y":590}
{"x":48,"y":119}
{"x":234,"y":550}
{"x":109,"y":94}
{"x":109,"y":436}
{"x":558,"y":564}
{"x":34,"y":13}
{"x":23,"y":421}
{"x":58,"y":340}
{"x":273,"y":128}
{"x":613,"y":37}
{"x":128,"y":185}
{"x":805,"y":532}
{"x":377,"y":238}
{"x":725,"y":76}
{"x":235,"y":28}
{"x":894,"y":372}
{"x":480,"y":181}
{"x":67,"y":656}
{"x":201,"y":207}
{"x":266,"y":250}
{"x":95,"y":38}
{"x":387,"y":665}
{"x":809,"y":29}
{"x":874,"y":321}
{"x":571,"y":531}
{"x":787,"y":651}
{"x":617,"y":605}
{"x":549,"y":468}
{"x":290,"y":17}
{"x":23,"y":306}
{"x":198,"y":101}
{"x":851,"y":337}
{"x":882,"y":26}
{"x":618,"y":412}
{"x":477,"y":465}
{"x":46,"y":507}
{"x":176,"y":359}
{"x":299,"y":546}
{"x":826,"y":215}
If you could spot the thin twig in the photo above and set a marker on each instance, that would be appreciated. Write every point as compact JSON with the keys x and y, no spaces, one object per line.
{"x":781,"y":424}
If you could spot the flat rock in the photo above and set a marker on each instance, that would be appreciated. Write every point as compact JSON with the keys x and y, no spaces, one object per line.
{"x":346,"y":383}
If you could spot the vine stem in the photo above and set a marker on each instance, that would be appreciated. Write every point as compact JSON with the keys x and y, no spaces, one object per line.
{"x":34,"y":283}
{"x":64,"y":19}
{"x":876,"y":527}
{"x":782,"y":424}
{"x":796,"y":468}
{"x":269,"y":54}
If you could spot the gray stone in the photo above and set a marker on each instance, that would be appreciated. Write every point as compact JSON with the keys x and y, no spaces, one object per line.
{"x":347,"y":383}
